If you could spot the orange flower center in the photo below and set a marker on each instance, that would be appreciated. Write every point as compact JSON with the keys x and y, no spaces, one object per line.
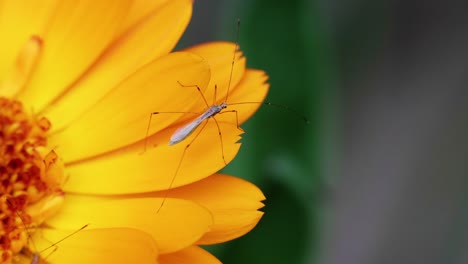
{"x":30,"y":176}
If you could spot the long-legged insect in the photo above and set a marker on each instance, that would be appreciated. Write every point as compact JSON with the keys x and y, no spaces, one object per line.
{"x":36,"y":257}
{"x":210,"y":112}
{"x":201,"y":121}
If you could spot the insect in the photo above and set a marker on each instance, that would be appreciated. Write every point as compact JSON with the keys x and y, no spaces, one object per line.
{"x":198,"y":124}
{"x":36,"y":257}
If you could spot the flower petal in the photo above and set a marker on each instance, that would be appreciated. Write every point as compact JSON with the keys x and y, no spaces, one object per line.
{"x":19,"y":20}
{"x":74,"y":38}
{"x":113,"y":245}
{"x":220,"y":56}
{"x":121,"y":117}
{"x":192,"y":255}
{"x":140,"y":9}
{"x":155,"y":169}
{"x":234,"y":203}
{"x":170,"y":227}
{"x":144,"y":42}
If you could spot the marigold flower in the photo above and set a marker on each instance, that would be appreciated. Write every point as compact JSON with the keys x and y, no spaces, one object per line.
{"x":78,"y":80}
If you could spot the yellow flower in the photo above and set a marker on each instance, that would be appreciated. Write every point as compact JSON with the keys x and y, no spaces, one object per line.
{"x":78,"y":80}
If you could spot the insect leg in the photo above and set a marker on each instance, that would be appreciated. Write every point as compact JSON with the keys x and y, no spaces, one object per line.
{"x":180,"y":163}
{"x":237,"y":117}
{"x":215,"y":90}
{"x":147,"y":131}
{"x":221,"y":140}
{"x":199,"y":90}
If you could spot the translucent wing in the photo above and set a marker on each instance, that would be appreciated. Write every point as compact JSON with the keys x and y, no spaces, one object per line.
{"x":185,"y":131}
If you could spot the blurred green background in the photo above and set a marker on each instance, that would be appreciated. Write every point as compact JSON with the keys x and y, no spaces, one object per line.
{"x":380,"y":173}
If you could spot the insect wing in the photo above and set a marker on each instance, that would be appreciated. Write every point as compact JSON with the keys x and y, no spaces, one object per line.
{"x":185,"y":131}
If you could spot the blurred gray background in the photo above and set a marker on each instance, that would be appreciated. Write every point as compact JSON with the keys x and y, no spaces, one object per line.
{"x":380,"y":176}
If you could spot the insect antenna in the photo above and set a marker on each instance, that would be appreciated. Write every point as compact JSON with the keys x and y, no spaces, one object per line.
{"x":236,"y":48}
{"x":22,"y":222}
{"x":62,"y":239}
{"x":36,"y":258}
{"x":284,"y":107}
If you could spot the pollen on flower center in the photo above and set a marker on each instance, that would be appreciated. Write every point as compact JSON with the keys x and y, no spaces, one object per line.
{"x":30,"y":176}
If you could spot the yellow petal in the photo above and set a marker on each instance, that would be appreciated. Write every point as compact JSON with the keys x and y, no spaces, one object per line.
{"x":140,"y":9}
{"x":220,"y":56}
{"x":121,"y":117}
{"x":74,"y":38}
{"x":145,"y":41}
{"x":19,"y":20}
{"x":192,"y":255}
{"x":250,"y":93}
{"x":131,"y":171}
{"x":113,"y":245}
{"x":21,"y":69}
{"x":177,"y":225}
{"x":233,"y":202}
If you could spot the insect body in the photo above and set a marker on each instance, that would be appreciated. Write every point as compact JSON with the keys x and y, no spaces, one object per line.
{"x":185,"y":131}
